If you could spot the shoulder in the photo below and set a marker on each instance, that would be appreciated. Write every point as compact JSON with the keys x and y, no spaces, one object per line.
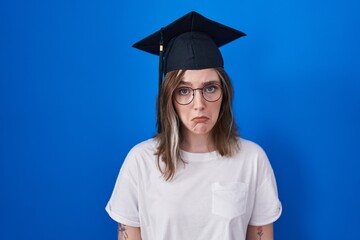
{"x":148,"y":146}
{"x":249,"y":147}
{"x":253,"y":153}
{"x":139,"y":154}
{"x":255,"y":156}
{"x":143,"y":150}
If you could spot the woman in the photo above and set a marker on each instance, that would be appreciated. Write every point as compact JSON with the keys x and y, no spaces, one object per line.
{"x":196,"y":179}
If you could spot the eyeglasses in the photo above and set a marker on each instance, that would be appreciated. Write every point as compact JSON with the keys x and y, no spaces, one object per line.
{"x":185,"y":95}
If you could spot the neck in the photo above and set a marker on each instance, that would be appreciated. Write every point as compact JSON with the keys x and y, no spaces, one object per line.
{"x":197,"y":143}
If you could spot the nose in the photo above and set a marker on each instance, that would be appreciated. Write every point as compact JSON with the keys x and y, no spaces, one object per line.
{"x":199,"y":101}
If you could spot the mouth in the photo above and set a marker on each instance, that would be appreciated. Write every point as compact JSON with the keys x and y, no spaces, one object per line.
{"x":200,"y":119}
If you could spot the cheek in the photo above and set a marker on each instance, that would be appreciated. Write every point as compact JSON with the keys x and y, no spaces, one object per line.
{"x":182,"y":113}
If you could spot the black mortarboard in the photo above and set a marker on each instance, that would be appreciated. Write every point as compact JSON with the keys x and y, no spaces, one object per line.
{"x":190,"y":42}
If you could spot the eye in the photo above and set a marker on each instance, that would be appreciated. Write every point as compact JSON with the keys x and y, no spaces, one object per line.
{"x":183,"y":91}
{"x":211,"y":89}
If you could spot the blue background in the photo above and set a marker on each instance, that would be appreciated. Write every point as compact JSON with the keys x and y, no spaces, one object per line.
{"x":75,"y":97}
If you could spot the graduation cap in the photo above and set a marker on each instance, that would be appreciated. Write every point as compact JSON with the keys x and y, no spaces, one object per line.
{"x":189,"y":43}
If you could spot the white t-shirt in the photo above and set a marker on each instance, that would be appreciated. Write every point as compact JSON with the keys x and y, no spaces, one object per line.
{"x":210,"y":198}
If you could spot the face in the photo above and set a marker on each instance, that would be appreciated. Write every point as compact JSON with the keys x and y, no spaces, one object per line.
{"x":199,"y":116}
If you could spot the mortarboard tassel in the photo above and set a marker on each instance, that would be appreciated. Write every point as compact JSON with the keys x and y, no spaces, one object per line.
{"x":161,"y":73}
{"x":161,"y":53}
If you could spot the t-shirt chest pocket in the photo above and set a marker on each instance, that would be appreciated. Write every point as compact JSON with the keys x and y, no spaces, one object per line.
{"x":229,"y":199}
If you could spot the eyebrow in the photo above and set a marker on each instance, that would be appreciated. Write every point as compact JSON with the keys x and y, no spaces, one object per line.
{"x":185,"y":83}
{"x":204,"y":83}
{"x":211,"y":82}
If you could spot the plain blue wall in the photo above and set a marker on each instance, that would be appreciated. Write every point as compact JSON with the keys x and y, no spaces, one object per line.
{"x":74,"y":98}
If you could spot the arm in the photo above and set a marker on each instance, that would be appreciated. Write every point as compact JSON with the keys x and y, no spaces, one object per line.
{"x":128,"y":233}
{"x":260,"y":232}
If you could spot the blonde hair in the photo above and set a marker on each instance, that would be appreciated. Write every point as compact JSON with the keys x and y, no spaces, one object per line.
{"x":169,"y":135}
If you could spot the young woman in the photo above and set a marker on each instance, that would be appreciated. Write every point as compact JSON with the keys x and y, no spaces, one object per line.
{"x":196,"y":179}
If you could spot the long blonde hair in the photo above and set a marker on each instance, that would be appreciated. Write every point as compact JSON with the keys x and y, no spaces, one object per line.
{"x":224,"y":133}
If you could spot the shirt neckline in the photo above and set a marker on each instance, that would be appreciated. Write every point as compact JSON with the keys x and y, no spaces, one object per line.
{"x":199,"y":157}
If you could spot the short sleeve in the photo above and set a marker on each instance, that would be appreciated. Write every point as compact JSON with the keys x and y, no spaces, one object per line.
{"x":123,"y":204}
{"x":267,"y":207}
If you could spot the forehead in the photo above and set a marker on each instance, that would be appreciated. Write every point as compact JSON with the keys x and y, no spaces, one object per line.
{"x":200,"y":76}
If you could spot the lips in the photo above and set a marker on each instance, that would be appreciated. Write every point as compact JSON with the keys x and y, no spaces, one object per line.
{"x":200,"y":119}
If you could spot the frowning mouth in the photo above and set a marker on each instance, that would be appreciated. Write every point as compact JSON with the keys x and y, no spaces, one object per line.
{"x":200,"y":119}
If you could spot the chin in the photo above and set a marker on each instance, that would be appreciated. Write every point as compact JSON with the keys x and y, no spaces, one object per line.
{"x":201,"y":132}
{"x":205,"y":129}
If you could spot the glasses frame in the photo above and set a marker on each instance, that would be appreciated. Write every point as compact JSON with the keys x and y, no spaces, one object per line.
{"x":202,"y":93}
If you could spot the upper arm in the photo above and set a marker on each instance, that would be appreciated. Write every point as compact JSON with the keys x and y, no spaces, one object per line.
{"x":126,"y":232}
{"x":260,"y":232}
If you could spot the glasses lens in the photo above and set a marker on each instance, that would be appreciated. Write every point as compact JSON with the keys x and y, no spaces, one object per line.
{"x":212,"y":92}
{"x":183,"y":95}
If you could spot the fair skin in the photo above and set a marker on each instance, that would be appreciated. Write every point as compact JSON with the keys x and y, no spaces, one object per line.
{"x":260,"y":232}
{"x":253,"y":232}
{"x":197,"y":120}
{"x":200,"y":116}
{"x":126,"y":232}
